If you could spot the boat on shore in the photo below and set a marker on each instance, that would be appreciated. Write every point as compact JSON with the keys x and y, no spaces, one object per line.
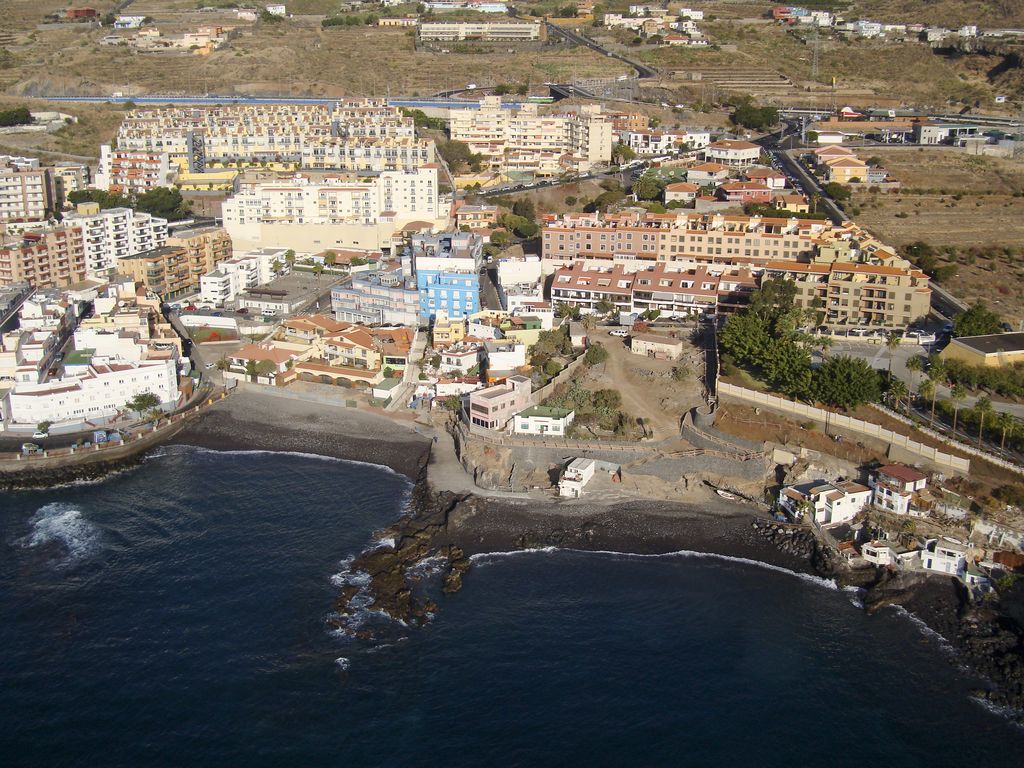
{"x":726,"y":495}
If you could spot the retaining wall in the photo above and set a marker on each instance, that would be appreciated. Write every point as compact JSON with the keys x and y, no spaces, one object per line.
{"x":839,"y":421}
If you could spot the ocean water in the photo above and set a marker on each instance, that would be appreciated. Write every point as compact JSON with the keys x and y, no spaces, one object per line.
{"x":176,"y":615}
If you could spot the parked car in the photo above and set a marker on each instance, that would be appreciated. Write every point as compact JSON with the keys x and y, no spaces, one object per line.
{"x":210,"y":366}
{"x":40,"y":435}
{"x":859,"y":332}
{"x":619,"y":332}
{"x":947,"y":328}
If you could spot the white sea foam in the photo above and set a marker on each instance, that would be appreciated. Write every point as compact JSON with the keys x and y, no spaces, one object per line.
{"x":342,"y":662}
{"x":816,"y":580}
{"x":386,"y":543}
{"x":63,"y":524}
{"x":300,"y":454}
{"x":1009,"y":713}
{"x":856,"y":595}
{"x":924,"y":628}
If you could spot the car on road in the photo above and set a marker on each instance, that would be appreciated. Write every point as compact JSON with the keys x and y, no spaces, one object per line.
{"x":858,"y":332}
{"x":30,"y":448}
{"x":210,"y":366}
{"x":40,"y":435}
{"x":619,"y":333}
{"x":947,"y":328}
{"x":921,"y":337}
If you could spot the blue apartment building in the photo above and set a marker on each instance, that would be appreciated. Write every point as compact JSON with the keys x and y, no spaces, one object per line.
{"x":447,"y":272}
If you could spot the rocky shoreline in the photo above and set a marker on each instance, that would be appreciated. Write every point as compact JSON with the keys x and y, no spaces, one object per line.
{"x":451,"y":527}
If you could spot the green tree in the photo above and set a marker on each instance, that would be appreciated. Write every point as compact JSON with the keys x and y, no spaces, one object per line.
{"x":453,"y":403}
{"x":846,"y":382}
{"x":44,"y":426}
{"x":837,"y":191}
{"x":979,"y":320}
{"x":330,"y":257}
{"x":755,"y":118}
{"x":15,"y":116}
{"x":165,"y":202}
{"x":622,"y":153}
{"x":144,"y":401}
{"x":524,"y":207}
{"x":788,"y":367}
{"x":926,"y":391}
{"x":289,"y":257}
{"x":595,"y":355}
{"x":647,"y":187}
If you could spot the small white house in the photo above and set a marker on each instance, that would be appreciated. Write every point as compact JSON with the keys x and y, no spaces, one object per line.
{"x":277,"y":10}
{"x":888,"y":553}
{"x":944,"y":556}
{"x":828,"y":503}
{"x":576,"y":476}
{"x":460,"y":359}
{"x":543,"y":420}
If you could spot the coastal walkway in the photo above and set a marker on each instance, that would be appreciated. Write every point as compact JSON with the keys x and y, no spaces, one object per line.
{"x":134,"y":441}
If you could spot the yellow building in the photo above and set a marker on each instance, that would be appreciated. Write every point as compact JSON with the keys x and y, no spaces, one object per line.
{"x":164,"y":271}
{"x":447,"y":331}
{"x":993,"y":350}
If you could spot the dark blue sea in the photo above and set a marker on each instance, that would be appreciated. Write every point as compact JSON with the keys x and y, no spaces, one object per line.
{"x":176,"y":615}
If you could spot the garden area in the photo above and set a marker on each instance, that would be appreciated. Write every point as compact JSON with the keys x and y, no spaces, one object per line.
{"x":206,"y":334}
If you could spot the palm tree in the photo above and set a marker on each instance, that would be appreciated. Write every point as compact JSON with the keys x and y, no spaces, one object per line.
{"x":927,"y":390}
{"x":957,"y":395}
{"x":983,"y":408}
{"x":1006,"y":423}
{"x":897,"y":391}
{"x":936,"y":373}
{"x":915,"y":365}
{"x":892,"y":341}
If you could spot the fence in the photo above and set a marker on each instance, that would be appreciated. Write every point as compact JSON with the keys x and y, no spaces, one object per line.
{"x":933,"y":455}
{"x":564,"y":375}
{"x":992,"y":459}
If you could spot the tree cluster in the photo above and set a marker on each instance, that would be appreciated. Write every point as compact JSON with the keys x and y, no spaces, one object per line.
{"x":765,"y":338}
{"x":979,"y":320}
{"x":421,"y":120}
{"x":165,"y":202}
{"x":755,"y":118}
{"x":459,"y":156}
{"x":15,"y":116}
{"x":601,"y":409}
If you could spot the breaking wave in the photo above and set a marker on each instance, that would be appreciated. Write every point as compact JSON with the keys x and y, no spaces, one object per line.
{"x":816,"y":580}
{"x":62,"y":524}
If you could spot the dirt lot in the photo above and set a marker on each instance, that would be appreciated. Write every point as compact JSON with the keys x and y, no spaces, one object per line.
{"x":986,"y":218}
{"x":646,"y":385}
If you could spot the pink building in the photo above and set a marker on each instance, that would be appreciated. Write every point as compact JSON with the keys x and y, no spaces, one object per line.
{"x":492,"y":408}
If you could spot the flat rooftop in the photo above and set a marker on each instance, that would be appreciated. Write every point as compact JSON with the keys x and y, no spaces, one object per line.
{"x":546,"y":411}
{"x":993,"y":343}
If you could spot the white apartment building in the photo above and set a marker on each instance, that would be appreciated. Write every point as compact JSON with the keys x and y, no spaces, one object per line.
{"x":733,"y":153}
{"x":664,"y":142}
{"x":238,"y":274}
{"x":511,"y":31}
{"x":123,"y":171}
{"x":115,"y":233}
{"x":256,"y":132}
{"x":335,"y":153}
{"x":522,"y":140}
{"x":336,"y":211}
{"x":99,"y":393}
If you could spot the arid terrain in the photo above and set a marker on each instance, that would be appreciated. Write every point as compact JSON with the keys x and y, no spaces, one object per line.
{"x":969,"y":205}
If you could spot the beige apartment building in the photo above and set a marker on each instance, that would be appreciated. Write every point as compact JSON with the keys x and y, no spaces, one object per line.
{"x":27,"y":192}
{"x":53,"y":258}
{"x":205,"y":248}
{"x":164,"y":271}
{"x":521,"y":140}
{"x":853,"y":279}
